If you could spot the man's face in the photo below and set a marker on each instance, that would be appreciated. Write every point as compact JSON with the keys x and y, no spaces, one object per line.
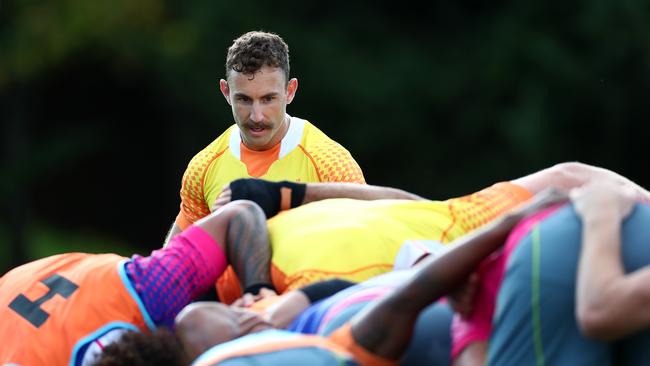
{"x":202,"y":325}
{"x":259,"y":104}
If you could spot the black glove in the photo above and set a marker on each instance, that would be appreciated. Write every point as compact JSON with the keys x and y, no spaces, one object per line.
{"x":268,"y":195}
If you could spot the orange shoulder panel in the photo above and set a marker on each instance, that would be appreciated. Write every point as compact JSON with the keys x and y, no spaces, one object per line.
{"x":476,"y":209}
{"x":334,"y":163}
{"x":193,"y":204}
{"x":343,"y":337}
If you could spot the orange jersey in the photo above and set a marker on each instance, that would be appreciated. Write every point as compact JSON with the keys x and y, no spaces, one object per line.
{"x":305,"y":154}
{"x":53,"y":307}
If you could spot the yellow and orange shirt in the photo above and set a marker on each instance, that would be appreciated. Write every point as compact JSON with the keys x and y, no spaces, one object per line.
{"x":305,"y":154}
{"x":356,"y":240}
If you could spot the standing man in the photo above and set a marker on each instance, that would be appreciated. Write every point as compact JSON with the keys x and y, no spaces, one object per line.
{"x":265,"y":142}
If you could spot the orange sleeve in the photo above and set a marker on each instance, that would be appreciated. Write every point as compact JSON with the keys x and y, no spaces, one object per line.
{"x":474,"y":210}
{"x":343,"y":337}
{"x":335,"y":163}
{"x":181,"y":220}
{"x":193,"y":204}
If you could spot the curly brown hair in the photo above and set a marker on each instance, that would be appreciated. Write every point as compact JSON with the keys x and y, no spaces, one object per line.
{"x":140,"y":349}
{"x":254,"y":50}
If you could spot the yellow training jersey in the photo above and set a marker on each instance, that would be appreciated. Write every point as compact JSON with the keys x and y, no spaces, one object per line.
{"x":305,"y":154}
{"x":356,"y":240}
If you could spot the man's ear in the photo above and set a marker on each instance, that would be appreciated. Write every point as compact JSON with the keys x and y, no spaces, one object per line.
{"x":225,"y":90}
{"x":292,"y":87}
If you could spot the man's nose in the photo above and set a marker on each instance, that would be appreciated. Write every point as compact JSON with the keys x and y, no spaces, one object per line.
{"x":256,"y":112}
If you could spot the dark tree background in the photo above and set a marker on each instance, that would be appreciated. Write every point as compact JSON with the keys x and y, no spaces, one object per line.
{"x":102,"y":104}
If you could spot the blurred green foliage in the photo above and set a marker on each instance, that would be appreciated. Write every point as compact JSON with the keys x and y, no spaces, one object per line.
{"x":104,"y":103}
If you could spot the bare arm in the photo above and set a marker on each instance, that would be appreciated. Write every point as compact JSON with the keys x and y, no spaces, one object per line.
{"x":291,"y":304}
{"x":276,"y":196}
{"x":240,"y":229}
{"x":566,"y":176}
{"x":322,"y":191}
{"x":609,"y":303}
{"x":285,"y":310}
{"x":396,"y":313}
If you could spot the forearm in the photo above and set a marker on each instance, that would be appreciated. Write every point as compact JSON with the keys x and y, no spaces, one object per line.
{"x":277,"y":196}
{"x":248,"y":246}
{"x":283,"y":312}
{"x":599,"y":264}
{"x":578,"y":174}
{"x":321,"y":191}
{"x":567,"y":176}
{"x":609,"y":303}
{"x":291,"y":304}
